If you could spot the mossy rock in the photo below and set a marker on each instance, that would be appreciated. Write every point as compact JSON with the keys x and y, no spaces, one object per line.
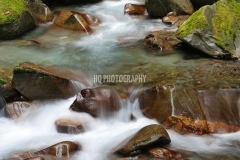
{"x":214,"y":30}
{"x":15,"y":19}
{"x":10,"y":10}
{"x":147,"y":137}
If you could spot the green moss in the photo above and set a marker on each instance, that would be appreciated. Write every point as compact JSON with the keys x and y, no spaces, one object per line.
{"x":196,"y":20}
{"x":226,"y":21}
{"x":20,"y":69}
{"x":10,"y":10}
{"x":2,"y":81}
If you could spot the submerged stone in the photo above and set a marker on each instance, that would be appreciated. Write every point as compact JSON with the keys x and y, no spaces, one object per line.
{"x":214,"y":30}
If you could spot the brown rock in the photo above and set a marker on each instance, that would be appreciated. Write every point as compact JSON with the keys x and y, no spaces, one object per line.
{"x":160,"y":8}
{"x":164,"y":153}
{"x":96,"y":101}
{"x":64,"y":148}
{"x":220,"y":105}
{"x":187,"y":110}
{"x":162,"y":41}
{"x":38,"y":83}
{"x":134,"y":9}
{"x":160,"y":102}
{"x":170,"y":19}
{"x":16,"y":110}
{"x":74,"y":20}
{"x":40,"y":11}
{"x":186,"y":125}
{"x":69,"y":126}
{"x":147,"y":137}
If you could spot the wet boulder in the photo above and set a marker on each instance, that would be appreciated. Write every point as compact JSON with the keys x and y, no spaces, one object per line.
{"x":69,"y":126}
{"x":40,"y":11}
{"x":197,"y":4}
{"x":160,"y":8}
{"x":214,"y":30}
{"x":16,"y":110}
{"x":162,"y":41}
{"x":74,"y":20}
{"x":99,"y":101}
{"x":135,"y":9}
{"x":37,"y":83}
{"x":15,"y":19}
{"x":145,"y":138}
{"x":164,"y":153}
{"x":160,"y":102}
{"x":191,"y":110}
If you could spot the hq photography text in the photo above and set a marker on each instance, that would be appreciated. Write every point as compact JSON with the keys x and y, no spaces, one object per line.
{"x":119,"y":78}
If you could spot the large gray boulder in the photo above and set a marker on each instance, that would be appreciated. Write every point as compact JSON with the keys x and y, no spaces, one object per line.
{"x":214,"y":30}
{"x":160,"y":8}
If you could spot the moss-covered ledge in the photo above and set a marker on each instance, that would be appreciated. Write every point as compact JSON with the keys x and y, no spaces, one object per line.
{"x":214,"y":29}
{"x":10,"y":10}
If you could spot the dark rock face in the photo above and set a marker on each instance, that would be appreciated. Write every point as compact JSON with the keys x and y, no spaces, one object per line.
{"x":99,"y":101}
{"x":149,"y":136}
{"x":35,"y":82}
{"x":134,"y":9}
{"x":197,"y":4}
{"x":8,"y":92}
{"x":22,"y":24}
{"x":214,"y":30}
{"x":40,"y":11}
{"x":160,"y":8}
{"x":2,"y":102}
{"x":69,"y":126}
{"x":15,"y":110}
{"x":187,"y":110}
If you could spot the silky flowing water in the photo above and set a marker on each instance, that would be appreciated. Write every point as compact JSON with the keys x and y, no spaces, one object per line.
{"x":113,"y":48}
